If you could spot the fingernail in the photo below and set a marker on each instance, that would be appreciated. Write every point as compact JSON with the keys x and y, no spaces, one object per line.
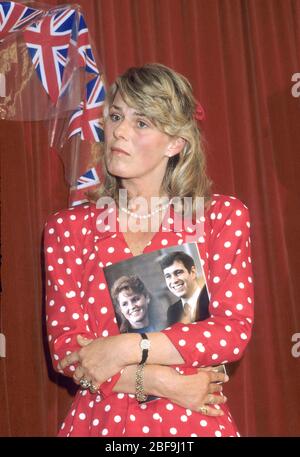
{"x":226,"y":378}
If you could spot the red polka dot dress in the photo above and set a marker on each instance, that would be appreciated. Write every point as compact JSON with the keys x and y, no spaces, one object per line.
{"x":78,"y":302}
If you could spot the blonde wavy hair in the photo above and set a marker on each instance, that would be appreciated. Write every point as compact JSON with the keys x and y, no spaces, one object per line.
{"x":166,"y":98}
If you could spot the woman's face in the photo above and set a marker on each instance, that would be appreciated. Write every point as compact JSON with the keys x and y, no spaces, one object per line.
{"x":134,"y":308}
{"x":134,"y":147}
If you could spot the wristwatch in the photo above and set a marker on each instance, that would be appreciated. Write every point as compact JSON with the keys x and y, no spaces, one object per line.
{"x":145,"y":346}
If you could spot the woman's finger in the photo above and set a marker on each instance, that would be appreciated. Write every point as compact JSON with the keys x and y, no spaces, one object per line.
{"x":86,"y":383}
{"x":83,"y":341}
{"x":215,"y":399}
{"x":214,"y":387}
{"x":94,"y":388}
{"x":210,"y":411}
{"x":218,"y":377}
{"x":69,"y":360}
{"x":78,"y":374}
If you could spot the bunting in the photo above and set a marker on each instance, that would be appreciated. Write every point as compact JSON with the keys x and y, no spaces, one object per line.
{"x":59,"y":48}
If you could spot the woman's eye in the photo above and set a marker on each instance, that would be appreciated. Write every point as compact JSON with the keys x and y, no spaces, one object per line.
{"x":115,"y":117}
{"x":142,"y":124}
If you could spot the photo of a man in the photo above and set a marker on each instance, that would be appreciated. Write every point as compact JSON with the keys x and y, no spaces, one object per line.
{"x":181,"y":278}
{"x":152,"y":291}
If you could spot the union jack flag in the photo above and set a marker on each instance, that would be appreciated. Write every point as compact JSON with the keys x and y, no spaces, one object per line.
{"x":86,"y":119}
{"x":14,"y":16}
{"x":48,"y":43}
{"x":84,"y":48}
{"x":58,"y":42}
{"x":87,"y":181}
{"x":90,"y":178}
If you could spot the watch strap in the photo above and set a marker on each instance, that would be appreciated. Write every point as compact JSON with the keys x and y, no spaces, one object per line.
{"x":145,"y":345}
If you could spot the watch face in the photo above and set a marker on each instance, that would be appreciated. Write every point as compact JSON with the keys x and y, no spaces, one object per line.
{"x":145,"y":344}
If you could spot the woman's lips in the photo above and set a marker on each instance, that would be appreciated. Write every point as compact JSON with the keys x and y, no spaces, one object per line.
{"x":119,"y":151}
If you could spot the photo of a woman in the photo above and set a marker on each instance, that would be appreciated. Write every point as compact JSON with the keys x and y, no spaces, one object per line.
{"x":133,"y":304}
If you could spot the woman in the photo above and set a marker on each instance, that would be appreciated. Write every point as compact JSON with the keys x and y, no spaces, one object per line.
{"x":133,"y":304}
{"x":152,"y":149}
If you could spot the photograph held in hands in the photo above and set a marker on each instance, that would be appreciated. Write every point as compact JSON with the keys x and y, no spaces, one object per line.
{"x":153,"y":291}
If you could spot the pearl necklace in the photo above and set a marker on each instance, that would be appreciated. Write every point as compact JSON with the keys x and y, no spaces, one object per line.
{"x":145,"y":216}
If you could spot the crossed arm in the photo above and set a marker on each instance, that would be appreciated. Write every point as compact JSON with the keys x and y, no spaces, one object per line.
{"x":220,"y":339}
{"x":100,"y":359}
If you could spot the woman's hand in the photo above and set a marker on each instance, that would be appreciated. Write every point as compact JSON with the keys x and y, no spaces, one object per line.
{"x":97,"y":360}
{"x":198,"y":392}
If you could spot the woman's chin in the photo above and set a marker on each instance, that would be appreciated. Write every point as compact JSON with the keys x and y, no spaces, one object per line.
{"x":119,"y":172}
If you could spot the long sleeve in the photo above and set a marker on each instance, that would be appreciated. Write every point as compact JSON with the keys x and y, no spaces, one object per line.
{"x":65,"y":237}
{"x":224,"y":336}
{"x":68,"y":246}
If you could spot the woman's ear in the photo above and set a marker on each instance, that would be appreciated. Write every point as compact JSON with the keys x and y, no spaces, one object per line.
{"x":175,"y":146}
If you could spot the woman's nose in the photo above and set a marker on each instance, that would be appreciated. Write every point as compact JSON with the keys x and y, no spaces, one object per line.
{"x":121,"y":130}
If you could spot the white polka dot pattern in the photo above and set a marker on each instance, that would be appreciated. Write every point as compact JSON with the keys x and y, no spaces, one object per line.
{"x":78,"y":303}
{"x":230,"y":290}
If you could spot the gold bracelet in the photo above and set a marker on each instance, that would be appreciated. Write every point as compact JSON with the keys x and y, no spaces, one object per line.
{"x":139,"y":384}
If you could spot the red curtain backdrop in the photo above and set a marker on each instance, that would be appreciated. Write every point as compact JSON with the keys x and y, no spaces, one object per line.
{"x":240,"y":56}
